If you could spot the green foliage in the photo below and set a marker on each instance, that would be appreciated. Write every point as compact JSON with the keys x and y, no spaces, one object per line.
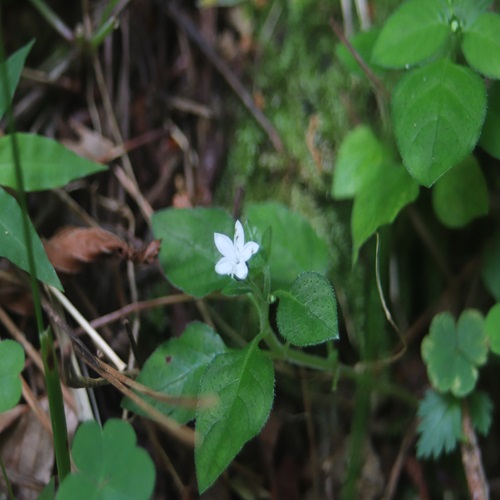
{"x":295,"y":246}
{"x":492,"y":328}
{"x":414,"y":33}
{"x":189,"y":255}
{"x":490,"y":271}
{"x":307,"y":313}
{"x":491,"y":128}
{"x":452,"y":352}
{"x":46,"y":164}
{"x":244,"y":382}
{"x":109,"y":464}
{"x":15,"y":64}
{"x":175,"y":368}
{"x":12,"y":243}
{"x":461,"y":194}
{"x":440,"y":426}
{"x":438,"y":111}
{"x":12,"y":356}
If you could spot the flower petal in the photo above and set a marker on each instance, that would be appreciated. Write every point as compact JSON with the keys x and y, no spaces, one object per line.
{"x":239,"y":236}
{"x":241,"y":270}
{"x":249,"y":249}
{"x":225,"y":245}
{"x":226,"y":265}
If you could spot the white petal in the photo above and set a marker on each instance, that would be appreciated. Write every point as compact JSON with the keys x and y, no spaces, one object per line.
{"x":239,"y":236}
{"x":225,"y":266}
{"x":249,"y":249}
{"x":224,"y":245}
{"x":241,"y":271}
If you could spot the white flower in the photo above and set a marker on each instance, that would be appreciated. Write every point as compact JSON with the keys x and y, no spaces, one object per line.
{"x":235,"y":255}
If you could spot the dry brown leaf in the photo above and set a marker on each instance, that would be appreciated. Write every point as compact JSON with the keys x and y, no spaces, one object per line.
{"x":148,"y":253}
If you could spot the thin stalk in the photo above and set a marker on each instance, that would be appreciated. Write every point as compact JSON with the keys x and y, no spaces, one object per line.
{"x":53,"y":19}
{"x":6,"y":479}
{"x":56,"y":405}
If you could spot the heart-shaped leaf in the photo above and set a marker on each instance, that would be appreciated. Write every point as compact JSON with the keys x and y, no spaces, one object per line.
{"x":12,"y":364}
{"x":415,"y":32}
{"x":46,"y":164}
{"x":481,"y":44}
{"x":461,"y":194}
{"x":307,"y":314}
{"x":438,"y":112}
{"x":452,"y":352}
{"x":12,"y":242}
{"x":244,"y":382}
{"x":188,"y":254}
{"x":176,"y":367}
{"x":15,"y":64}
{"x":109,"y":463}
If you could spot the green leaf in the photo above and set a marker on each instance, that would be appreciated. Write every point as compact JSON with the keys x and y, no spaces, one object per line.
{"x":461,"y":194}
{"x":12,"y":356}
{"x":12,"y":243}
{"x":295,"y":245}
{"x":480,"y":410}
{"x":416,"y":31}
{"x":46,"y":164}
{"x":491,"y":128}
{"x":244,"y":382}
{"x":380,"y":202}
{"x":307,"y":314}
{"x":490,"y":271}
{"x":453,"y":353}
{"x":438,"y":112}
{"x":176,"y":367}
{"x":188,"y":254}
{"x":492,"y":328}
{"x":49,"y":492}
{"x":109,"y":463}
{"x":440,"y":426}
{"x":359,"y":157}
{"x":15,"y":64}
{"x":481,"y":44}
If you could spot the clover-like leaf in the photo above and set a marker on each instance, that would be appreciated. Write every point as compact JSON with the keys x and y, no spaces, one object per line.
{"x":11,"y":365}
{"x":438,"y":112}
{"x":452,"y":352}
{"x":13,"y":245}
{"x":188,"y":255}
{"x":175,"y":368}
{"x":461,"y":194}
{"x":481,"y":44}
{"x":307,"y":314}
{"x":46,"y":164}
{"x":244,"y":383}
{"x":492,"y":328}
{"x":414,"y":33}
{"x":109,"y":464}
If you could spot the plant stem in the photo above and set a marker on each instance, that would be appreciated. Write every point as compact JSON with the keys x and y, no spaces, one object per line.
{"x":6,"y":479}
{"x":56,"y":404}
{"x":53,"y":19}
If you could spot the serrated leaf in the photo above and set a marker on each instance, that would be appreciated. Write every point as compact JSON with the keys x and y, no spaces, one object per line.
{"x":307,"y":314}
{"x":358,"y":161}
{"x":481,"y":44}
{"x":461,"y":194}
{"x":46,"y":164}
{"x":491,"y":128}
{"x":490,"y":272}
{"x":15,"y":64}
{"x":176,"y":368}
{"x":440,"y":427}
{"x":13,"y":246}
{"x":188,"y":254}
{"x":452,"y":352}
{"x":414,"y":33}
{"x":295,"y":245}
{"x":438,"y":112}
{"x":12,"y":356}
{"x":492,"y":328}
{"x":480,"y":410}
{"x":244,"y":382}
{"x":109,"y":463}
{"x":380,"y":202}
